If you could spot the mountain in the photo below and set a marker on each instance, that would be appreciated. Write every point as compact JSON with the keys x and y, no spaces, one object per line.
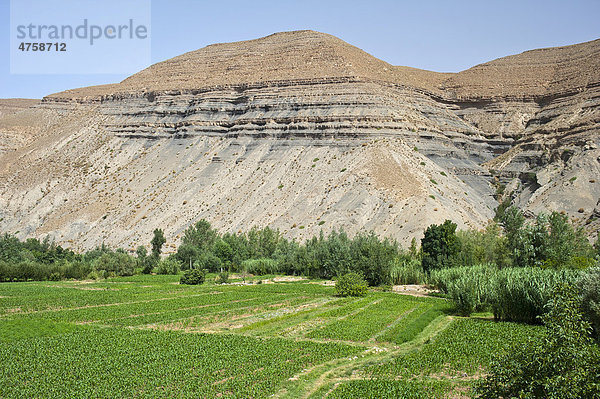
{"x":304,"y":132}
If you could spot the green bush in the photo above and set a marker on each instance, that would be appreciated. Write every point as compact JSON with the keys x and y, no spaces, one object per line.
{"x":76,"y":269}
{"x":54,"y":276}
{"x":193,"y":277}
{"x":589,"y":285}
{"x":24,"y":271}
{"x":565,"y":363}
{"x":168,"y":266}
{"x":94,"y":275}
{"x":222,"y":278}
{"x":351,"y":284}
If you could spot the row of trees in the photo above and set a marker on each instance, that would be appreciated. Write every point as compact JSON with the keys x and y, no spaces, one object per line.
{"x":550,"y":241}
{"x":266,"y":251}
{"x":43,"y":260}
{"x":33,"y":259}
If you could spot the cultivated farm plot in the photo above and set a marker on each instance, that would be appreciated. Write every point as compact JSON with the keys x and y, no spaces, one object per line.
{"x":148,"y":336}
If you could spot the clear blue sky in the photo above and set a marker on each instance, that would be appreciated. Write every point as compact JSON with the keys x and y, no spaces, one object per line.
{"x":446,"y":36}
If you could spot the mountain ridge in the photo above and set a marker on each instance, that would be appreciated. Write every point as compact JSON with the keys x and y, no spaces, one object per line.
{"x":302,"y":132}
{"x":367,"y":67}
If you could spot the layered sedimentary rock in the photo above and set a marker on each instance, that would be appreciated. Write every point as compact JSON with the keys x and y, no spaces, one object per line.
{"x":302,"y":131}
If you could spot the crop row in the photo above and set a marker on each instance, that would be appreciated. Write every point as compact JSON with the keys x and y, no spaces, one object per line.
{"x":369,"y":321}
{"x":414,"y":322}
{"x":46,"y":295}
{"x":112,"y":362}
{"x":282,"y":324}
{"x":197,"y":316}
{"x":376,"y":389}
{"x":467,"y":345}
{"x":36,"y":296}
{"x":118,"y":310}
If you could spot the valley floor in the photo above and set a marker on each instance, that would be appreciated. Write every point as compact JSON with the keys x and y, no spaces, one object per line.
{"x":148,"y":336}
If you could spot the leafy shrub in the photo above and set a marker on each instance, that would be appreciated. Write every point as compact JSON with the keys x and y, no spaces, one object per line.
{"x":148,"y":264}
{"x":351,"y":284}
{"x":24,"y":271}
{"x":589,"y":285}
{"x":192,"y":277}
{"x":94,"y":275}
{"x":563,"y":364}
{"x":168,"y":266}
{"x":76,"y":269}
{"x":222,"y":278}
{"x":54,"y":276}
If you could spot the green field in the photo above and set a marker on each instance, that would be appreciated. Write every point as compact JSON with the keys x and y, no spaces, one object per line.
{"x":148,"y":336}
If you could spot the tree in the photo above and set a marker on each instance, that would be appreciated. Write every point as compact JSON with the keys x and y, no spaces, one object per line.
{"x":144,"y":261}
{"x":115,"y":264}
{"x":141,"y":253}
{"x":413,"y":250}
{"x":187,"y":255}
{"x":565,"y":363}
{"x":373,"y":258}
{"x":517,"y":239}
{"x":201,"y":235}
{"x":157,"y":242}
{"x":223,"y":251}
{"x":549,"y":242}
{"x":10,"y":248}
{"x":440,"y":246}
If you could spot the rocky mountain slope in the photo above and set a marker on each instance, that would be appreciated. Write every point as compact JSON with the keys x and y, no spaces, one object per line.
{"x":304,"y":132}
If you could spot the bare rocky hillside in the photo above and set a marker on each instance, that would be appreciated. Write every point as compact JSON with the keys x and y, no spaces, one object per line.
{"x":304,"y":132}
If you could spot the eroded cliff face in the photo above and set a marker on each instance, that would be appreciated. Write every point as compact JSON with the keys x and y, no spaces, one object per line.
{"x":302,"y":132}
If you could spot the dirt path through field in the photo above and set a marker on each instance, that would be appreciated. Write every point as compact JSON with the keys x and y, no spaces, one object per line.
{"x":323,"y":379}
